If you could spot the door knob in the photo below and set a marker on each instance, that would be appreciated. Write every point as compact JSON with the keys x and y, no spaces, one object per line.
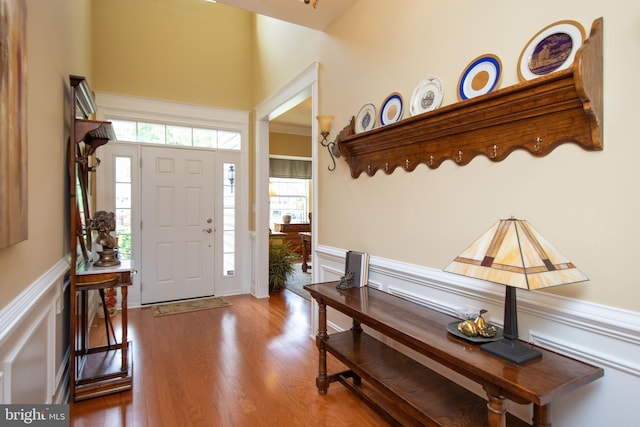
{"x":209,"y":221}
{"x":208,"y":230}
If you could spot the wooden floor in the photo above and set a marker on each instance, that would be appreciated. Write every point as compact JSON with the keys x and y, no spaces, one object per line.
{"x":251,"y":364}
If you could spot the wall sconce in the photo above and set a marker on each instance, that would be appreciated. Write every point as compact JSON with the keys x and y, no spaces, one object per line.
{"x":313,"y":3}
{"x":231,"y":176}
{"x":325,"y":122}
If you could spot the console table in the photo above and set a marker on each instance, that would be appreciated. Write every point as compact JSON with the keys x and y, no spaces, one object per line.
{"x":406,"y":392}
{"x":104,"y":369}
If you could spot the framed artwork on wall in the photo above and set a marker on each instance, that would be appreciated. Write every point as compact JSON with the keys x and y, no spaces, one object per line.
{"x":13,"y":122}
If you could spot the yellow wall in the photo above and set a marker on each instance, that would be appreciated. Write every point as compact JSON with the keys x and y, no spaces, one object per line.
{"x":58,"y":41}
{"x":282,"y":51}
{"x":180,"y":50}
{"x":586,"y":203}
{"x":283,"y":144}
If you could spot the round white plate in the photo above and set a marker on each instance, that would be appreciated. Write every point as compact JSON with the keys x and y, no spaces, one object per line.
{"x":366,"y":118}
{"x":391,"y":110}
{"x":426,"y":96}
{"x":552,"y":49}
{"x":481,"y":76}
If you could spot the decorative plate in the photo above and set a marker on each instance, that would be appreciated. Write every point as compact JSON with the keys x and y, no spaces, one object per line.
{"x":391,"y":110}
{"x":481,"y":76}
{"x":453,"y":329}
{"x":552,"y":49}
{"x":426,"y":96}
{"x":366,"y":118}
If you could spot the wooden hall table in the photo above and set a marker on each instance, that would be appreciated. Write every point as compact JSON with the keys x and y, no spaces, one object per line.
{"x":408,"y":393}
{"x":105,"y":369}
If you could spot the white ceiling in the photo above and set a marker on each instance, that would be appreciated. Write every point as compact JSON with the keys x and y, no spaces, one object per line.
{"x":296,"y":11}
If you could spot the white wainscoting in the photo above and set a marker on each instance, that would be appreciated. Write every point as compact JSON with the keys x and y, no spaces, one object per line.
{"x":34,"y":336}
{"x":600,"y":335}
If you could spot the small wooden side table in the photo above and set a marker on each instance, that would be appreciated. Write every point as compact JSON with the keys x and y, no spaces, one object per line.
{"x":105,"y":369}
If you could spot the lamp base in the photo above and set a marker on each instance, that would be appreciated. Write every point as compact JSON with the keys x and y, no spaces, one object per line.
{"x":511,"y":350}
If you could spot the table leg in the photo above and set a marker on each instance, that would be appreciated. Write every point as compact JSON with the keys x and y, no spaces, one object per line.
{"x":322,"y":381}
{"x":305,"y":255}
{"x":541,"y":416}
{"x":124,"y":320}
{"x":107,"y":320}
{"x":356,"y":328}
{"x":84,"y":322}
{"x":496,"y":408}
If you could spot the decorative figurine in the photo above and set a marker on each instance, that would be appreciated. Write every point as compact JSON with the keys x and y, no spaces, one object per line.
{"x":478,"y":326}
{"x":105,"y":222}
{"x":346,"y":281}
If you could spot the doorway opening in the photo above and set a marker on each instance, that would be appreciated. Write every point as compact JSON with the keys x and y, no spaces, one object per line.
{"x":304,"y":86}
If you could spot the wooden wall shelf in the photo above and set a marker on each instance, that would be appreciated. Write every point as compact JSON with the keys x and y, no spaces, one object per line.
{"x":536,"y":115}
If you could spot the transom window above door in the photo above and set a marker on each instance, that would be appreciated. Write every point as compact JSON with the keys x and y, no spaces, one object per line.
{"x":166,"y":134}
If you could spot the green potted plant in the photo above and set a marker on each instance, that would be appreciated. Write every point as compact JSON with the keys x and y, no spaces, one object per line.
{"x":281,"y":260}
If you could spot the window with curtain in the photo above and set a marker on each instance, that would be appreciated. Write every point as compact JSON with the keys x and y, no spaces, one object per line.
{"x":289,"y":182}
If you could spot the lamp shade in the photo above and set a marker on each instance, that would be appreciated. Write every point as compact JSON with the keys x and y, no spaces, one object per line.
{"x":324,"y":122}
{"x":513,"y":253}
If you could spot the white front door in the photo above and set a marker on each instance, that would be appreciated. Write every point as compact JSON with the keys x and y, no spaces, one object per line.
{"x":177,"y":223}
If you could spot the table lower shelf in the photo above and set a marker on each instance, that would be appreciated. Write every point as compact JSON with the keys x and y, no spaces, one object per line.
{"x":403,"y":390}
{"x":102,"y":373}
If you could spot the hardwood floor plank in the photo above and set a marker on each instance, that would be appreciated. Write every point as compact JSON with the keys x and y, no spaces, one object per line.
{"x":250,"y":364}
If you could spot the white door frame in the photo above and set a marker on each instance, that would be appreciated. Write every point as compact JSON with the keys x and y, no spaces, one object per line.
{"x":300,"y":87}
{"x":116,"y":106}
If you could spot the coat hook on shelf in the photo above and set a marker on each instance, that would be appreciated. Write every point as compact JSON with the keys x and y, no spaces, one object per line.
{"x":536,"y":145}
{"x":494,"y":151}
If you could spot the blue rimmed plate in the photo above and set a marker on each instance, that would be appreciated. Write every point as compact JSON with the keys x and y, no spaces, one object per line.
{"x":366,"y":118}
{"x":392,"y":109}
{"x":552,"y":49}
{"x":481,"y":76}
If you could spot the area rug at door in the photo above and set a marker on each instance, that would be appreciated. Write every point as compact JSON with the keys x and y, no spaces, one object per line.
{"x":189,"y":305}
